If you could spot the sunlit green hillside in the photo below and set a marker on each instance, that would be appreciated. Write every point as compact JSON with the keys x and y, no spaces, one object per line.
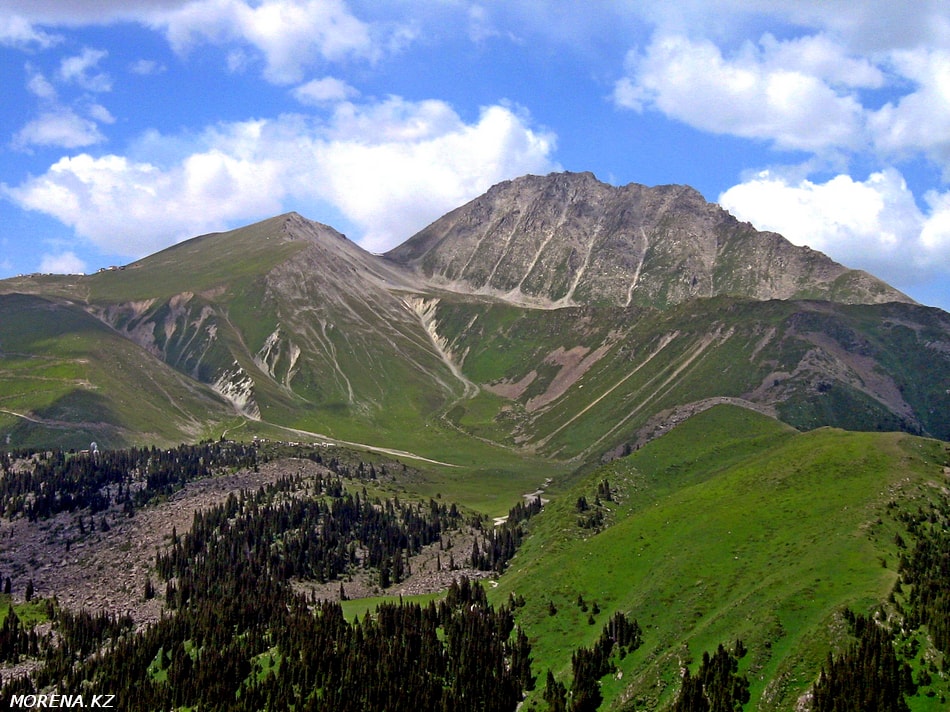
{"x":731,"y":526}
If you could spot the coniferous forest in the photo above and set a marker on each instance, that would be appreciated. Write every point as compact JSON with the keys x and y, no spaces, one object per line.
{"x":237,"y":636}
{"x":239,"y":633}
{"x":58,"y":481}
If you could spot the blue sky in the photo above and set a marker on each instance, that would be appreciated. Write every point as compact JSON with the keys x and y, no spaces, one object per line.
{"x":129,"y":125}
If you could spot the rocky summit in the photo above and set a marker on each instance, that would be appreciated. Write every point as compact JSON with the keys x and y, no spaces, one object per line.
{"x":567,"y":239}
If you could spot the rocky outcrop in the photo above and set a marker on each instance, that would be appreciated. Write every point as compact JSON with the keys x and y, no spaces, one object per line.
{"x":568,"y":239}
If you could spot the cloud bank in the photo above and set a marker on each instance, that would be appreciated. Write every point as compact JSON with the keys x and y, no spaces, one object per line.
{"x":390,"y":168}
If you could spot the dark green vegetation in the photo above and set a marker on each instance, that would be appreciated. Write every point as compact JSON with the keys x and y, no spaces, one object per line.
{"x":18,"y":636}
{"x":732,"y":527}
{"x":40,"y":485}
{"x":238,"y":637}
{"x":867,"y":677}
{"x":274,"y":651}
{"x":319,"y":537}
{"x":716,"y":686}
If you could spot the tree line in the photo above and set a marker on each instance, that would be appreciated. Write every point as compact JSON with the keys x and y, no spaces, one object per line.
{"x":275,"y":650}
{"x":239,"y":637}
{"x":925,"y":571}
{"x":39,"y":485}
{"x":868,"y":676}
{"x":717,"y":686}
{"x":874,"y":674}
{"x":500,"y":543}
{"x":589,"y":665}
{"x":319,"y":537}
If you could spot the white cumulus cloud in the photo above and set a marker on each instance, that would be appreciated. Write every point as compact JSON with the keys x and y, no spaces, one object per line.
{"x":873,"y":225}
{"x":131,"y":208}
{"x":61,"y":127}
{"x":328,"y":90}
{"x":40,"y":86}
{"x":389,"y":168}
{"x":17,"y":30}
{"x":291,"y":35}
{"x":82,"y":69}
{"x":920,"y":120}
{"x":425,"y":162}
{"x":870,"y":81}
{"x":786,"y":93}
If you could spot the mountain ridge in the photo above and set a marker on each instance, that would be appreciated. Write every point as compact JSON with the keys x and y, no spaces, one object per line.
{"x":295,"y":326}
{"x":567,"y":239}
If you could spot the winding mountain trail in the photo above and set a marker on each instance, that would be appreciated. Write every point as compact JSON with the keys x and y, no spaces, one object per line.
{"x":372,"y":448}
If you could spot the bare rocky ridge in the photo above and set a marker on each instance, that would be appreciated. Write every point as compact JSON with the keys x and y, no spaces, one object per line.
{"x":567,"y":239}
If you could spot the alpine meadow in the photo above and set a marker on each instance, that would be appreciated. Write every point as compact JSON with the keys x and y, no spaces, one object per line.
{"x":572,"y":446}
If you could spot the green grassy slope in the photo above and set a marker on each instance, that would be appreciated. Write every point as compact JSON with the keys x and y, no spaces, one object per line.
{"x":732,"y":525}
{"x":66,"y":379}
{"x":881,"y":367}
{"x":304,"y":332}
{"x":198,"y":264}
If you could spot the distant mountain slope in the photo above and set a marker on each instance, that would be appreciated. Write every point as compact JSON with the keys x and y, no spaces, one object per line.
{"x":320,"y":325}
{"x":66,"y":379}
{"x":579,"y":381}
{"x":286,"y":324}
{"x":567,"y":239}
{"x":286,"y":319}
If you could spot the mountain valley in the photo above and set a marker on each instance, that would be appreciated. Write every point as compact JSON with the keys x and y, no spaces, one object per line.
{"x":732,"y":438}
{"x":288,"y":324}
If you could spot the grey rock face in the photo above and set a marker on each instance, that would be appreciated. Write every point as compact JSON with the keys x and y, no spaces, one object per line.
{"x":567,"y":239}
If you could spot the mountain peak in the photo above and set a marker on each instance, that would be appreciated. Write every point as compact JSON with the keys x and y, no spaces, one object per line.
{"x":296,"y":226}
{"x":568,"y":238}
